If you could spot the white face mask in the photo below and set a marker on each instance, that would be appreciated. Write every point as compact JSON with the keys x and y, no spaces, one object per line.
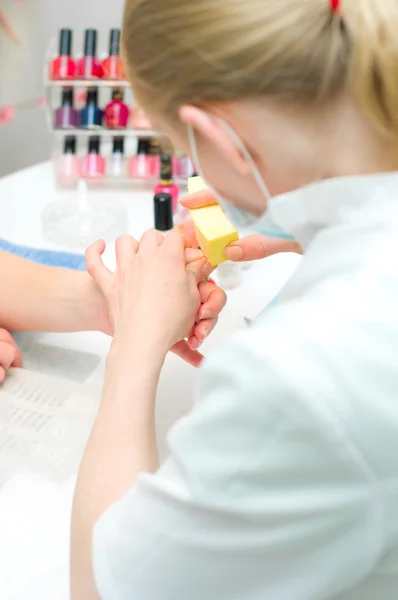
{"x":239,"y":217}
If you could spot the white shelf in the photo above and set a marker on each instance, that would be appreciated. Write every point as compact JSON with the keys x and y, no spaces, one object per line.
{"x":103,"y":132}
{"x":125,"y":182}
{"x":86,"y":83}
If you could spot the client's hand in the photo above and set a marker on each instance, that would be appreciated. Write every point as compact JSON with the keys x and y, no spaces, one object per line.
{"x":153,"y":293}
{"x":10,"y":356}
{"x":250,"y":248}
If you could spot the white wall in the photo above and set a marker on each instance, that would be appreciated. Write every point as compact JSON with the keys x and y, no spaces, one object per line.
{"x":26,"y":141}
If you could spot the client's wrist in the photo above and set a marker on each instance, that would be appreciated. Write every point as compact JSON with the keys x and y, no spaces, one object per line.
{"x":93,"y":307}
{"x":138,"y":337}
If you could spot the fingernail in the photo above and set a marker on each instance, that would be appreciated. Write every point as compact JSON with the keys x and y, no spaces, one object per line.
{"x":205,"y":333}
{"x":195,"y":344}
{"x":205,"y":314}
{"x":192,"y":254}
{"x":234,"y":253}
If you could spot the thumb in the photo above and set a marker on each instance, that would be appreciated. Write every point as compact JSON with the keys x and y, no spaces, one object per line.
{"x":256,"y":247}
{"x":95,"y":266}
{"x":199,"y":199}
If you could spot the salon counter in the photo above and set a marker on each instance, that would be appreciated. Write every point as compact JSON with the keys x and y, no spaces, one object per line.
{"x":23,"y":197}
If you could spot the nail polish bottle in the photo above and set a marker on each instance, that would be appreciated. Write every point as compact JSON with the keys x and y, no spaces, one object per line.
{"x":89,"y":67}
{"x":64,"y":67}
{"x":141,"y":165}
{"x":182,"y":166}
{"x":166,"y":183}
{"x":154,"y":153}
{"x":112,"y":66}
{"x":93,"y":164}
{"x":67,"y":165}
{"x":91,"y":114}
{"x":139,"y":119}
{"x":116,"y":114}
{"x":117,"y":162}
{"x":163,"y":212}
{"x":66,"y":116}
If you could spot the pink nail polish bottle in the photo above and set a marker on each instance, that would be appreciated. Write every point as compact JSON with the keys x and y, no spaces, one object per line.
{"x":116,"y":114}
{"x":166,"y":183}
{"x":89,"y":67}
{"x":67,"y":165}
{"x":93,"y":164}
{"x":182,"y":166}
{"x":141,"y":165}
{"x":154,"y":153}
{"x":139,"y":119}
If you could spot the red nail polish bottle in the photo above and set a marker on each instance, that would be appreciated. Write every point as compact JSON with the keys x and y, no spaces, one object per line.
{"x":64,"y":67}
{"x":166,"y":183}
{"x":116,"y":114}
{"x":89,"y":67}
{"x":112,"y":66}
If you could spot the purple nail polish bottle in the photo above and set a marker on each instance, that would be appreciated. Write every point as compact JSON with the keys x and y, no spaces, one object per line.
{"x":66,"y":117}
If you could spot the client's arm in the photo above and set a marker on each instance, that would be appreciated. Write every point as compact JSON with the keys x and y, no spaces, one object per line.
{"x":38,"y":298}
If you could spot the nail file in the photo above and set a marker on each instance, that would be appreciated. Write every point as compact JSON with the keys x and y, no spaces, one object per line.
{"x":213,"y":230}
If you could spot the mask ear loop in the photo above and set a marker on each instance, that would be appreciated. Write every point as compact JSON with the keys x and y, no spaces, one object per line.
{"x":242,"y":148}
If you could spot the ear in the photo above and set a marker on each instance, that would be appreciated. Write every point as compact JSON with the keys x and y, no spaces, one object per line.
{"x":210,"y":128}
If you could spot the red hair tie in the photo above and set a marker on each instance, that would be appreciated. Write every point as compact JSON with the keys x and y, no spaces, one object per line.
{"x":335,"y":5}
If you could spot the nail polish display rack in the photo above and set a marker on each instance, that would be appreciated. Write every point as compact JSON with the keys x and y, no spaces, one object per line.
{"x":130,"y":134}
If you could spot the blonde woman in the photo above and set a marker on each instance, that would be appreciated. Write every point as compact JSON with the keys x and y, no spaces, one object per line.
{"x":282,"y":483}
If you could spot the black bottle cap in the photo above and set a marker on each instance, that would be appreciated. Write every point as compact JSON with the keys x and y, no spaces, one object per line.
{"x":94,"y":143}
{"x":92,"y":96}
{"x":166,"y":167}
{"x":153,"y":147}
{"x":143,"y":146}
{"x":65,"y":42}
{"x":114,"y":42}
{"x":90,"y":42}
{"x":70,"y":144}
{"x":118,"y":94}
{"x":67,"y":97}
{"x":118,"y":144}
{"x":163,"y":207}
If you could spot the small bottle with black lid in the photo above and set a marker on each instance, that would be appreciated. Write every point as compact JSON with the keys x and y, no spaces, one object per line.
{"x":89,"y":67}
{"x":166,"y":183}
{"x":64,"y":67}
{"x":93,"y":164}
{"x":163,"y":212}
{"x":67,"y":168}
{"x":117,"y":162}
{"x":91,"y":115}
{"x":66,"y":116}
{"x":140,"y":165}
{"x":112,"y":65}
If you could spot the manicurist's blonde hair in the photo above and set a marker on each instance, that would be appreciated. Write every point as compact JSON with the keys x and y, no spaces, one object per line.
{"x":201,"y":51}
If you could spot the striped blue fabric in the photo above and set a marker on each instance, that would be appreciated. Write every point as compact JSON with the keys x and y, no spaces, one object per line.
{"x":50,"y":258}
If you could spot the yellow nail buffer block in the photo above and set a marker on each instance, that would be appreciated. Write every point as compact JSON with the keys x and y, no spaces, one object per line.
{"x":213,"y":230}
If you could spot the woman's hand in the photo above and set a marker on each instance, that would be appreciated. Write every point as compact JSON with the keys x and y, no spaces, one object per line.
{"x":152,"y":295}
{"x":253,"y":247}
{"x":10,"y":355}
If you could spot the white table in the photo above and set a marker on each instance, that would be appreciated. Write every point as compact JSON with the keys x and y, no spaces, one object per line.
{"x":23,"y":196}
